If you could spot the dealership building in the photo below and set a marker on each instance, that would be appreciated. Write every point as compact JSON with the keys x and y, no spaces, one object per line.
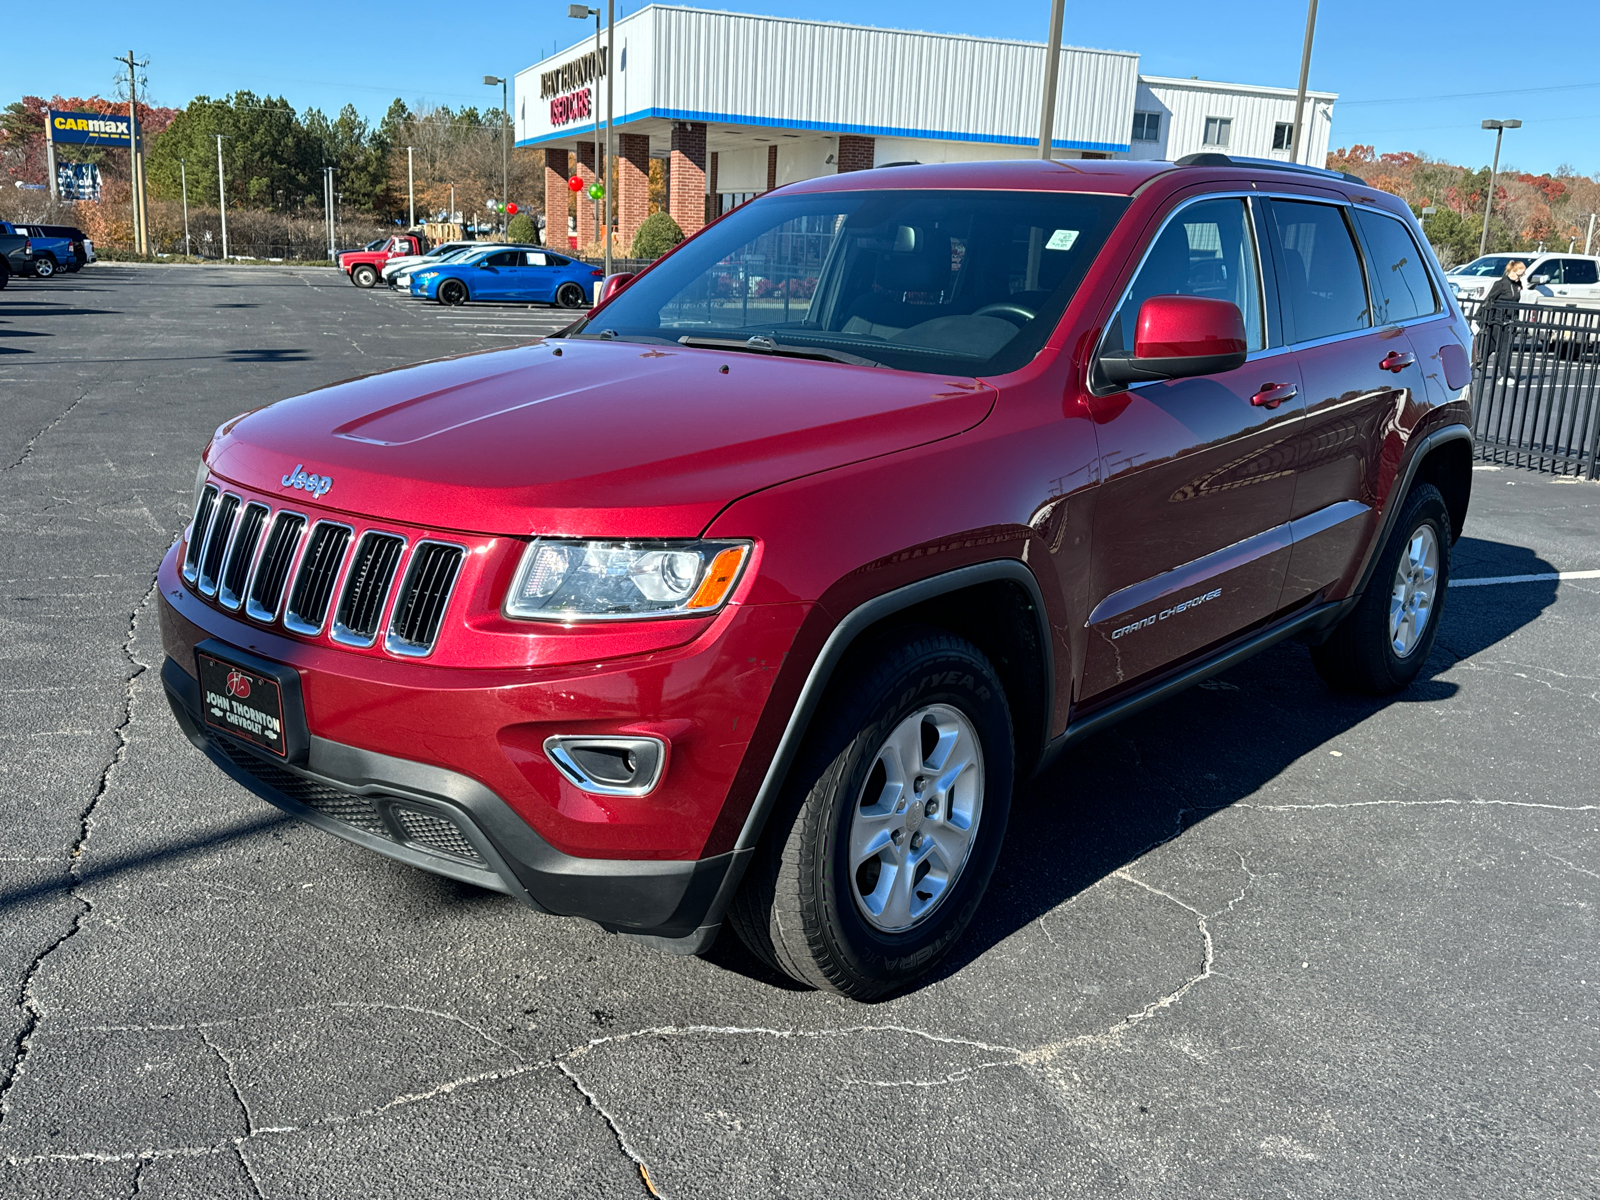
{"x":737,"y":105}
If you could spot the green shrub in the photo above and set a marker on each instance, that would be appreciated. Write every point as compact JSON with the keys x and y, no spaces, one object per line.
{"x":522,"y":229}
{"x":656,"y":236}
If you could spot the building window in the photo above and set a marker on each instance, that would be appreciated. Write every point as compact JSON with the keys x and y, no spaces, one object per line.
{"x":1146,"y":127}
{"x":1283,"y":136}
{"x":1219,"y":130}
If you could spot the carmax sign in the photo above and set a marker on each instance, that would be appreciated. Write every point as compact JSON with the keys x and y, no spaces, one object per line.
{"x":92,"y":129}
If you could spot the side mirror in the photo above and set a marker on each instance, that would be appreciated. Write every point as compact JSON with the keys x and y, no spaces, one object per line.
{"x":1177,"y":337}
{"x":612,"y":284}
{"x":1538,"y":280}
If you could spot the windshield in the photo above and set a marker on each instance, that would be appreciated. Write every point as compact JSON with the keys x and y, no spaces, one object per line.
{"x":953,"y":282}
{"x":1492,"y":264}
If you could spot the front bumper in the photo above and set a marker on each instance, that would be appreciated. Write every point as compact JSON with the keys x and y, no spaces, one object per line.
{"x":447,"y":823}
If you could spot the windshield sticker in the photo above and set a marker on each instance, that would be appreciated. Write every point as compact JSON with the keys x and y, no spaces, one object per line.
{"x":1062,"y":239}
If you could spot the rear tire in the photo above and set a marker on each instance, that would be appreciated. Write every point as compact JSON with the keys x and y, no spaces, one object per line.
{"x":452,"y":292}
{"x":1382,"y":643}
{"x":364,"y":276}
{"x":44,"y":268}
{"x":569,"y":295}
{"x":890,"y":823}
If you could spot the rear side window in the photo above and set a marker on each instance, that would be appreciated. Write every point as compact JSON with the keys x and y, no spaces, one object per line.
{"x":1549,"y":270}
{"x":1206,"y":250}
{"x":1320,"y":276}
{"x":1579,"y":270}
{"x":1401,"y":288}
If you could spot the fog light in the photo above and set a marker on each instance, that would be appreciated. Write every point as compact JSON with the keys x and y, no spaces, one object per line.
{"x":609,"y":766}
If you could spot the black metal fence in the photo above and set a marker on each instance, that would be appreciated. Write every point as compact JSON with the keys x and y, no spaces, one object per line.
{"x":1536,"y":386}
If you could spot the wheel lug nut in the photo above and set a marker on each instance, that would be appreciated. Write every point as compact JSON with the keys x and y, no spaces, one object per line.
{"x":919,"y":783}
{"x":931,"y":807}
{"x":897,"y":836}
{"x":916,"y":841}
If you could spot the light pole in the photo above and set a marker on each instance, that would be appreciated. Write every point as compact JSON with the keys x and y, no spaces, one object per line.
{"x":1589,"y":237}
{"x":1052,"y":69}
{"x":411,"y":190}
{"x":1305,"y":72}
{"x":579,"y":12}
{"x":222,"y":198}
{"x":505,"y":151}
{"x":611,"y":56}
{"x":183,"y":175}
{"x":1499,"y":128}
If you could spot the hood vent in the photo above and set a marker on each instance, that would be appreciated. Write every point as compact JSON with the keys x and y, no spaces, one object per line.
{"x":216,"y":544}
{"x":198,"y":529}
{"x":319,"y":570}
{"x":266,"y":590}
{"x":243,"y":555}
{"x":371,"y":573}
{"x":423,"y":597}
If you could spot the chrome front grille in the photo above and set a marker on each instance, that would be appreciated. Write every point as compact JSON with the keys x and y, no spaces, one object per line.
{"x":367,"y":588}
{"x":313,"y":586}
{"x":281,"y":566}
{"x":424,"y":596}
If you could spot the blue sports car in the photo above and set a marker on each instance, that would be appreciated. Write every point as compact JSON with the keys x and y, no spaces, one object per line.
{"x":524,"y":273}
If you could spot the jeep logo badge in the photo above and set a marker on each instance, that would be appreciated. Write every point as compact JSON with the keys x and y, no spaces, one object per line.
{"x":315,"y":484}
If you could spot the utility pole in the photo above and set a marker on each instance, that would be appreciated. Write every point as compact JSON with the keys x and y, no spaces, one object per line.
{"x":141,"y":233}
{"x":327,"y":213}
{"x":1052,"y":72}
{"x":183,"y":175}
{"x":505,"y":150}
{"x":611,"y":57}
{"x":411,"y":188}
{"x":1305,"y":73}
{"x":1499,"y":128}
{"x":222,"y":199}
{"x":1589,"y":237}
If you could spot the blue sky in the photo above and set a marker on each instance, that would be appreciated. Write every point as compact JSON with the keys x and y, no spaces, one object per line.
{"x":1409,"y":77}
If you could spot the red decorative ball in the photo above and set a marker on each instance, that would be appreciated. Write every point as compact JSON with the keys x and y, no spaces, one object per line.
{"x":575,"y":184}
{"x":512,"y":209}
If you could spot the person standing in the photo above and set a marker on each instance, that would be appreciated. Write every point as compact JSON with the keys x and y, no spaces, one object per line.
{"x":1496,"y":318}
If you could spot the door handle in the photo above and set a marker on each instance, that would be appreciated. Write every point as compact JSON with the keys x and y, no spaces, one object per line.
{"x":1273,"y":394}
{"x":1397,"y":362}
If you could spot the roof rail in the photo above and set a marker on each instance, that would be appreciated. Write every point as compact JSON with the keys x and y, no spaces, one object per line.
{"x":1211,"y":158}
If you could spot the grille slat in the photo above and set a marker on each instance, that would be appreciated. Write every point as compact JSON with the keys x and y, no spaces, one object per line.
{"x":266,"y":590}
{"x":216,"y":545}
{"x":198,"y":530}
{"x":319,"y":570}
{"x":371,"y":574}
{"x":423,"y":598}
{"x":237,"y":571}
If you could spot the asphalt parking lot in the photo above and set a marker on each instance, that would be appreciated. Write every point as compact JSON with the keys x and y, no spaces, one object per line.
{"x":1261,"y":941}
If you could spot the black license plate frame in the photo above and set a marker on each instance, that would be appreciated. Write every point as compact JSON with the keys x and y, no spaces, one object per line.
{"x":251,"y":700}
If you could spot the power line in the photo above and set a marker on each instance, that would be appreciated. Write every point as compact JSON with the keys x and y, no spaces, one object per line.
{"x":1560,"y":87}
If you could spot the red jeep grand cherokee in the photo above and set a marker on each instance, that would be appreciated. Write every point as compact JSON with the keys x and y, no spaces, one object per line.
{"x":751,"y":596}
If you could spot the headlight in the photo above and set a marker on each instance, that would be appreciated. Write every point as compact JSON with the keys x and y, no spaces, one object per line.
{"x":561,"y":580}
{"x":426,"y":274}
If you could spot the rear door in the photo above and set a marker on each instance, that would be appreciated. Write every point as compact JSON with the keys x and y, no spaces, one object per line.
{"x":1580,"y":283}
{"x":1359,"y":370}
{"x":1191,"y":524}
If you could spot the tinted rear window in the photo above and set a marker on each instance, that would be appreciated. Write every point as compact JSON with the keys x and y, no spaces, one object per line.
{"x":949,"y":281}
{"x":1320,"y":276}
{"x":1401,"y":288}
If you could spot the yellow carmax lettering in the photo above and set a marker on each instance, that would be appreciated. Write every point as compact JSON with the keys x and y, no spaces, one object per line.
{"x":81,"y":125}
{"x":61,"y":123}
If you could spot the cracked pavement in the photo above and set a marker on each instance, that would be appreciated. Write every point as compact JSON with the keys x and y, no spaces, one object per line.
{"x":1261,"y":941}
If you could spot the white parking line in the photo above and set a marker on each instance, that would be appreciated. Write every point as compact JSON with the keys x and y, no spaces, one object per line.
{"x":1545,"y":578}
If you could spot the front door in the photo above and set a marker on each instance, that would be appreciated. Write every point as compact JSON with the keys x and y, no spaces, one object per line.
{"x":1191,"y":536}
{"x":1359,"y":369}
{"x":495,"y":275}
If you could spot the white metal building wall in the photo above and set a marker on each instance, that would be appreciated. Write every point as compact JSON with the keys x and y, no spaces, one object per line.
{"x":1184,"y":105}
{"x":727,"y":68}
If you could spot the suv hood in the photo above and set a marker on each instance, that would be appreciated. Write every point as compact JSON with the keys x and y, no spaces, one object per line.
{"x":586,"y":439}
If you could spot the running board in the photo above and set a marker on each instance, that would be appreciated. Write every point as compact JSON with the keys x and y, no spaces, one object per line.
{"x":1106,"y":717}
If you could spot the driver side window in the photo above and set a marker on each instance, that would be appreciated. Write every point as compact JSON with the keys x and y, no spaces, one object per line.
{"x":1207,"y":249}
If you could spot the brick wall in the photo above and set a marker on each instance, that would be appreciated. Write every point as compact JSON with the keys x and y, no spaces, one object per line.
{"x":556,"y":174}
{"x":588,"y":228}
{"x":855,"y":153}
{"x":772,"y":167}
{"x":633,"y":188}
{"x":687,"y":198}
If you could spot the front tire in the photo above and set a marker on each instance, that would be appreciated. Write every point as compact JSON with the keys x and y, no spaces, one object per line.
{"x":1380,"y":647}
{"x":569,"y":295}
{"x":452,"y":292}
{"x":364,"y":276}
{"x":890,"y":824}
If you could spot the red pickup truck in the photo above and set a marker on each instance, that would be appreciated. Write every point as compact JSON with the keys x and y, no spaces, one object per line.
{"x":364,"y":266}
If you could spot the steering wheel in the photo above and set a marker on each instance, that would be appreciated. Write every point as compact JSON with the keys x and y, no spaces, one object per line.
{"x":1018,"y":314}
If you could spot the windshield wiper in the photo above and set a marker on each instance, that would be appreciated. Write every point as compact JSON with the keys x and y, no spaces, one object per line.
{"x":761,"y":344}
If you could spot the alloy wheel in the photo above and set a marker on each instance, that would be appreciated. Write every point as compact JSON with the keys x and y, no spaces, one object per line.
{"x":1412,"y":598}
{"x":913,"y":826}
